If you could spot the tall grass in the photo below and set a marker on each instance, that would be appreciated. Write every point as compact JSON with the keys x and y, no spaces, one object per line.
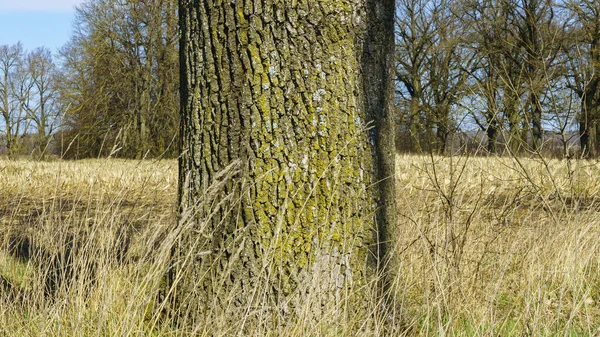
{"x":498,"y":246}
{"x":483,"y":247}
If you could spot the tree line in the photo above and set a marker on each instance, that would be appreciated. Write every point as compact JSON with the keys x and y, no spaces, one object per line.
{"x":112,"y":89}
{"x":29,"y":104}
{"x":498,"y":76}
{"x":521,"y":74}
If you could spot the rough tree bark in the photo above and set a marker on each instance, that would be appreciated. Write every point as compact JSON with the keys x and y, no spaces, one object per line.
{"x":294,"y":100}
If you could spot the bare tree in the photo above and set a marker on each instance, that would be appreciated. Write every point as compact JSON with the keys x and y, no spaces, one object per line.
{"x":447,"y":70}
{"x":583,"y":76}
{"x":541,"y":38}
{"x":499,"y":80}
{"x":11,"y":85}
{"x":415,"y":38}
{"x":431,"y":70}
{"x":39,"y":99}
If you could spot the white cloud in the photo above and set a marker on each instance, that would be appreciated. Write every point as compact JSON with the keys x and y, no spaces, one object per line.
{"x":38,"y":5}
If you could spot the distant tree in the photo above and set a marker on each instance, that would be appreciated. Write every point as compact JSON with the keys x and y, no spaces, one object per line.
{"x":415,"y":39}
{"x":517,"y":43}
{"x":499,"y":79}
{"x":82,"y":130}
{"x":121,"y":78}
{"x":433,"y":66}
{"x":448,"y":67}
{"x":583,"y":75}
{"x":39,"y":99}
{"x":541,"y":38}
{"x":12,"y":84}
{"x":295,"y":100}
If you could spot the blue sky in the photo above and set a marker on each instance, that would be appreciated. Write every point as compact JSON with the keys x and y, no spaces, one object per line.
{"x":36,"y":23}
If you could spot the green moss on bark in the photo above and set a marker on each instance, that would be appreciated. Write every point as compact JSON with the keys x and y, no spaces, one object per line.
{"x":284,"y":98}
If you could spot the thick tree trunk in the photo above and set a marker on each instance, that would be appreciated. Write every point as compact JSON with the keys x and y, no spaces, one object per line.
{"x":286,"y":124}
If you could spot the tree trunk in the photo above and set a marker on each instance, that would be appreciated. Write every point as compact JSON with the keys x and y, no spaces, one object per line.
{"x":492,"y":135}
{"x":584,"y":139}
{"x":379,"y":87}
{"x":443,"y":128}
{"x":537,"y":133}
{"x":492,"y":131}
{"x":515,"y":137}
{"x":286,"y":124}
{"x":588,"y":124}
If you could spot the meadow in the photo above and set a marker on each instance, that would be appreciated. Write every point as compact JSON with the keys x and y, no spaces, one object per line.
{"x":484,"y":246}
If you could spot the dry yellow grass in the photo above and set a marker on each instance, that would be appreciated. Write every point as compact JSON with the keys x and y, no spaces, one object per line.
{"x":112,"y":210}
{"x":499,"y":246}
{"x":484,"y":247}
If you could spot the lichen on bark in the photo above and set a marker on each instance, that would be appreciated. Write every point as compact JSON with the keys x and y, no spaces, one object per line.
{"x":277,"y":87}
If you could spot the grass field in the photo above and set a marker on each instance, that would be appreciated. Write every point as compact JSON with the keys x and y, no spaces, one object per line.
{"x":483,"y":247}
